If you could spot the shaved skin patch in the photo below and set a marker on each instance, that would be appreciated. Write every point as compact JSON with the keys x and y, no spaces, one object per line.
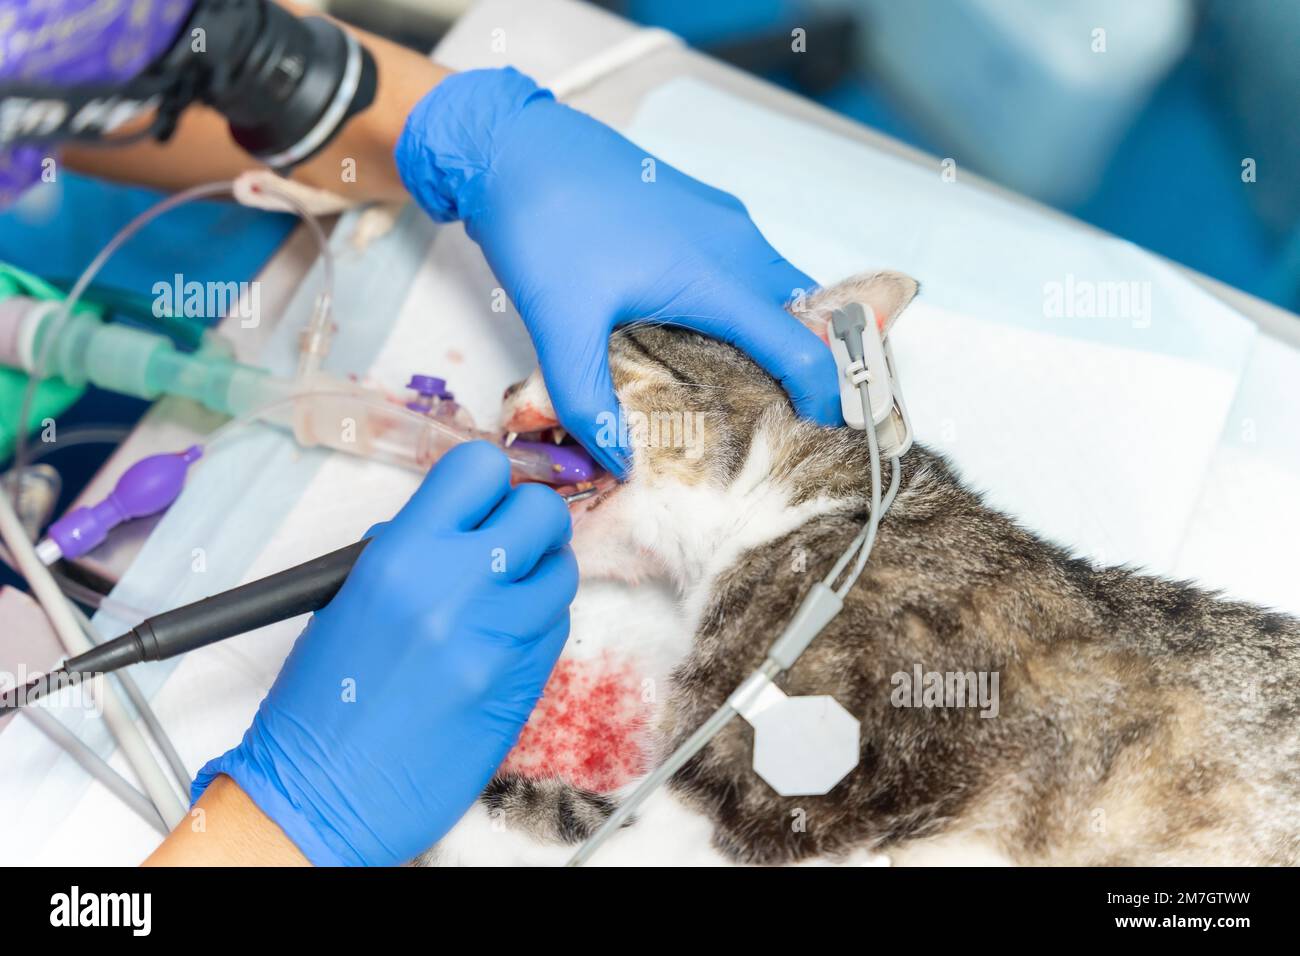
{"x":588,"y":728}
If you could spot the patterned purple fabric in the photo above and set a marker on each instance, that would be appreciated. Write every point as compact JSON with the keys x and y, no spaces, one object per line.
{"x":70,"y":42}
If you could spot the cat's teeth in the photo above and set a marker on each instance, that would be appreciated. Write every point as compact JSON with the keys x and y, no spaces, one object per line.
{"x":558,"y":434}
{"x":510,"y":438}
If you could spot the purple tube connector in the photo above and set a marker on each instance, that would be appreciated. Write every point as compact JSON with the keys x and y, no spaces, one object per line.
{"x":427,"y":388}
{"x":147,"y":487}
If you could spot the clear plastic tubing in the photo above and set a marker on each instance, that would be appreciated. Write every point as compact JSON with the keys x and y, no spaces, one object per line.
{"x":318,"y":410}
{"x":352,"y":419}
{"x":317,"y":332}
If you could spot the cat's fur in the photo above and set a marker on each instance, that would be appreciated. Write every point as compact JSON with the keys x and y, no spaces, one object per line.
{"x":1140,"y":721}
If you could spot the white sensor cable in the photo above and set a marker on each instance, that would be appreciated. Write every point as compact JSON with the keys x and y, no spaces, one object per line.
{"x":822,"y":603}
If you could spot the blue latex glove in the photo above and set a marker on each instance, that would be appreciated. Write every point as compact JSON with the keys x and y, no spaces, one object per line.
{"x":582,"y":243}
{"x":401,"y":698}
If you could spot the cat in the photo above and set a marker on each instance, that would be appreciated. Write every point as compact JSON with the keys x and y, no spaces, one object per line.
{"x":1121,"y":718}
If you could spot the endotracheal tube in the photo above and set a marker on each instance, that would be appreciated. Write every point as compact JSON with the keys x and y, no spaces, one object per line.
{"x":147,"y":368}
{"x":53,"y":338}
{"x":84,"y":349}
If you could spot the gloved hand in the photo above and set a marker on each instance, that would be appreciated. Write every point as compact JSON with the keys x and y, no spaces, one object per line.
{"x":586,"y":231}
{"x":106,"y":43}
{"x":404,"y":694}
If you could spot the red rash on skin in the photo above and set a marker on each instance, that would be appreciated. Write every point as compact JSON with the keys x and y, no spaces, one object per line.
{"x":588,"y":727}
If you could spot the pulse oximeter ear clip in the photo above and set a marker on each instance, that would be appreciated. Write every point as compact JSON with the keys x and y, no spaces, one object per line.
{"x":864,"y":355}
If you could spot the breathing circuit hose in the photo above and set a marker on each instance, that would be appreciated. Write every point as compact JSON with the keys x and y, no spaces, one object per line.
{"x":315,"y":335}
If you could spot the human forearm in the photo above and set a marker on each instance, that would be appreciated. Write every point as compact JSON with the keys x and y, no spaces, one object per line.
{"x":226,"y":828}
{"x":358,"y":163}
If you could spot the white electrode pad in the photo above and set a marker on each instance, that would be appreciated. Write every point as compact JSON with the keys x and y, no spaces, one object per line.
{"x":803,"y":746}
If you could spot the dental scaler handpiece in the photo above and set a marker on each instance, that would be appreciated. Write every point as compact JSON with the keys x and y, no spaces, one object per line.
{"x":298,"y":590}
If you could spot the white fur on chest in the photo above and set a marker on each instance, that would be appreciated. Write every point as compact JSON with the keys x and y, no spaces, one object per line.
{"x":698,"y":532}
{"x":646,"y":532}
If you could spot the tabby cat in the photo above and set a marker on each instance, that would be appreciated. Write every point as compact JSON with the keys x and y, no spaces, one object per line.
{"x":1121,"y":719}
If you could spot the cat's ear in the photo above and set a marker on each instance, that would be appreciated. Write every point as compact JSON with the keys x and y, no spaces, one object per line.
{"x":886,"y":293}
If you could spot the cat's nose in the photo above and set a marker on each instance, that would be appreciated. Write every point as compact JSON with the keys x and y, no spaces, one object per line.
{"x":526,"y":407}
{"x":524,"y":418}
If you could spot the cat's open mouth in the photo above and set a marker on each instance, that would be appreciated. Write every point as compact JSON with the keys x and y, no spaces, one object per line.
{"x":528,"y":418}
{"x":551,"y":434}
{"x":554,"y":436}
